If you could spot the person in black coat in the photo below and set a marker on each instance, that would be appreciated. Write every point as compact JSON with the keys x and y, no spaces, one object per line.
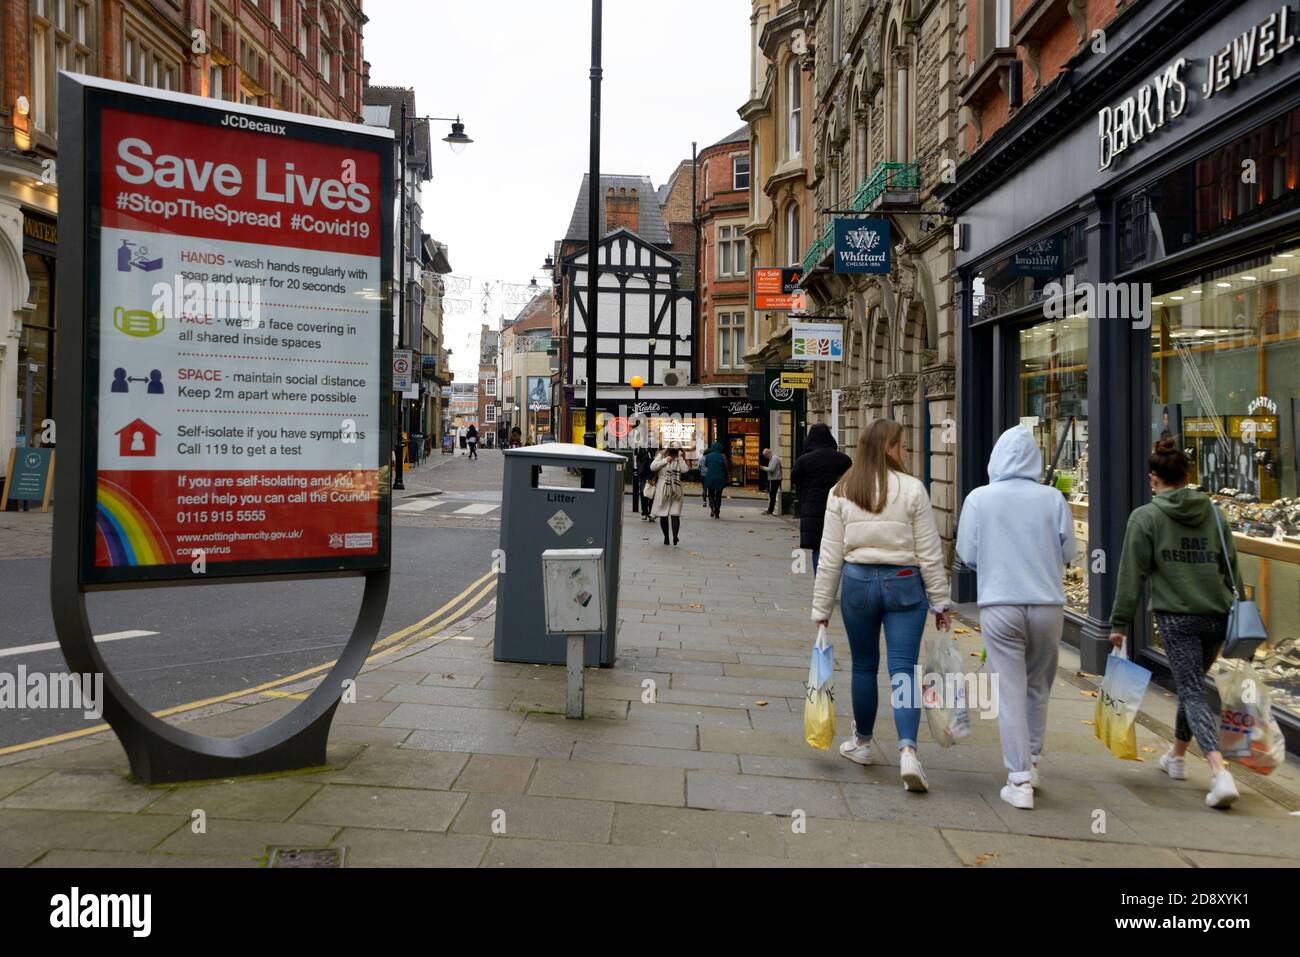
{"x":815,"y":473}
{"x":640,"y":501}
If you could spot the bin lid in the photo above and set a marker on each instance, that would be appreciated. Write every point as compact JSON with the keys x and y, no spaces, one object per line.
{"x":567,"y":450}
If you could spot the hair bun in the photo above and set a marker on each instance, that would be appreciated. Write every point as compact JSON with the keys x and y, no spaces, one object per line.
{"x":1166,"y":445}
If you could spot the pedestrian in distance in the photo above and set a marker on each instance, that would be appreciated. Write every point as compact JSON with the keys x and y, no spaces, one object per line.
{"x":641,"y":502}
{"x":668,"y":468}
{"x":471,"y":439}
{"x":516,"y":438}
{"x":1173,"y":544}
{"x":881,"y":550}
{"x":1018,"y":535}
{"x":772,"y":468}
{"x":714,"y":472}
{"x":815,"y":473}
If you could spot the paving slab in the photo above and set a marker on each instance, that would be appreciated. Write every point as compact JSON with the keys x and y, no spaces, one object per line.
{"x":535,"y":854}
{"x":720,"y":790}
{"x":523,"y":816}
{"x":242,"y":839}
{"x":370,"y":847}
{"x":348,"y":805}
{"x":398,"y":767}
{"x":869,"y":844}
{"x":250,"y":800}
{"x":653,"y":757}
{"x":497,"y":773}
{"x":98,"y":860}
{"x":14,"y":778}
{"x":603,"y":781}
{"x":976,"y":849}
{"x":83,"y":789}
{"x":658,"y":734}
{"x":692,"y":829}
{"x":108,"y":831}
{"x":505,"y":744}
{"x":432,"y":717}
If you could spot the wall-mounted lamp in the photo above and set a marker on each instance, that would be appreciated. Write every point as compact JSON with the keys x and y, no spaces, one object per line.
{"x":22,"y":106}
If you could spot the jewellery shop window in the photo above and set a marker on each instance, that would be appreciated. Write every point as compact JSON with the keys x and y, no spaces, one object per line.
{"x":1226,"y":378}
{"x":1053,"y":404}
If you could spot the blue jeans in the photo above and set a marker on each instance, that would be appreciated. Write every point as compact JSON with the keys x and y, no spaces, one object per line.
{"x":892,"y":596}
{"x":817,"y":553}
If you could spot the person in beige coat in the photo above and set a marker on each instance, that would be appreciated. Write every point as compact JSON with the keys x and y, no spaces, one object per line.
{"x":667,"y":470}
{"x":881,"y":542}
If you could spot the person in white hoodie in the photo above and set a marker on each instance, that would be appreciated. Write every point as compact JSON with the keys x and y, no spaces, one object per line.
{"x":1018,"y":535}
{"x":880,"y":539}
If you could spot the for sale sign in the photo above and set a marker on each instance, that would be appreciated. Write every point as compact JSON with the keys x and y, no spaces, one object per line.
{"x":237,"y":336}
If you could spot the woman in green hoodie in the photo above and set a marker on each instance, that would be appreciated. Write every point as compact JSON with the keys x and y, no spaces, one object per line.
{"x":1173,"y":543}
{"x":713,"y":472}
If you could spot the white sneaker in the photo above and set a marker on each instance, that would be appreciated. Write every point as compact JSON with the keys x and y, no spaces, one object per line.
{"x":1019,"y":795}
{"x":910,"y":768}
{"x":1223,"y":790}
{"x":855,"y":749}
{"x":1176,"y":768}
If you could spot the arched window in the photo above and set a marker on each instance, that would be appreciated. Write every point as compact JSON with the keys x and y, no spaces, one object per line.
{"x":794,"y":115}
{"x":793,"y":247}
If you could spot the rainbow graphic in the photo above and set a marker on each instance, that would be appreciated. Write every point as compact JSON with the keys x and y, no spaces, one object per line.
{"x":130,"y":536}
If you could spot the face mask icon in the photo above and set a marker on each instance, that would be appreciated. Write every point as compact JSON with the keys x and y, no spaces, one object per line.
{"x":140,"y":323}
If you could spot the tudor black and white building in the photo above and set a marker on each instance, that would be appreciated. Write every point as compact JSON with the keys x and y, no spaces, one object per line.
{"x":645,"y":322}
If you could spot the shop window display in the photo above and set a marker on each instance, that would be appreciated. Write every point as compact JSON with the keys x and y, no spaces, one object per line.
{"x":1225,"y":380}
{"x":1053,"y":404}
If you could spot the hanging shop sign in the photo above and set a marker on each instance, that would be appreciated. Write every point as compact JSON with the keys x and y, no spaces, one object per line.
{"x":1164,"y":97}
{"x":796,"y":380}
{"x":817,"y":341}
{"x":779,"y":396}
{"x":777,"y":290}
{"x":862,"y":246}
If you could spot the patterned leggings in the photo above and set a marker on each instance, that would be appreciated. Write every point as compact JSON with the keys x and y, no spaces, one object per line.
{"x":1192,"y":643}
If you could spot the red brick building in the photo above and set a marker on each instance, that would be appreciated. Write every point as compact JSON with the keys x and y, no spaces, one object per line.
{"x":723,"y":282}
{"x":299,"y":55}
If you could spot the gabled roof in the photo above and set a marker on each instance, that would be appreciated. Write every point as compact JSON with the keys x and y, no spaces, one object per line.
{"x":650,"y":219}
{"x":382,"y":106}
{"x":660,"y":249}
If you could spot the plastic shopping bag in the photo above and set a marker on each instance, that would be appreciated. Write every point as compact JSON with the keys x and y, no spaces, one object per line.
{"x":943,"y":692}
{"x":1117,"y":706}
{"x":819,"y":704}
{"x":1248,"y":732}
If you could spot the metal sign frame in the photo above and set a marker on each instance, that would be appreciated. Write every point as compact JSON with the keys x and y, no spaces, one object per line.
{"x":158,"y":751}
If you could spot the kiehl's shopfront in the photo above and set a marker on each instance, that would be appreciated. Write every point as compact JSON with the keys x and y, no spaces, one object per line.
{"x":1138,"y":274}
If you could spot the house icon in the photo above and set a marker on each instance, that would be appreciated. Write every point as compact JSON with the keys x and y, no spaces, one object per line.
{"x":137,"y":438}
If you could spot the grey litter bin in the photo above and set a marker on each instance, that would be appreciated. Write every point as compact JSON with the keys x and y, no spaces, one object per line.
{"x":555,"y":495}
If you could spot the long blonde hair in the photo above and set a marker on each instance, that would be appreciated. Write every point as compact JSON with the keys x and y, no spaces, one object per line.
{"x":866,"y":484}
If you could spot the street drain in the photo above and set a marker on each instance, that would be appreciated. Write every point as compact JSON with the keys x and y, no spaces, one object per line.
{"x":307,"y":856}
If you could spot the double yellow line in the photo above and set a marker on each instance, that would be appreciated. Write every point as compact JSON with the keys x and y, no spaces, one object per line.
{"x":443,"y":618}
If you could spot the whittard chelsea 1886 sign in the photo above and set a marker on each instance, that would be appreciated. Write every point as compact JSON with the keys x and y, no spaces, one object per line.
{"x":862,"y":245}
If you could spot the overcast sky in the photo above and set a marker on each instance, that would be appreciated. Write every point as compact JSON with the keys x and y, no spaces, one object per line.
{"x":518,"y":73}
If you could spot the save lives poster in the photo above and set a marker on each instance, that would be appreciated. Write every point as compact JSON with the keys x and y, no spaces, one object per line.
{"x":237,"y":356}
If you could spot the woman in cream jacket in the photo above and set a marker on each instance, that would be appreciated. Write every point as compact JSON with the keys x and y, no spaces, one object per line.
{"x":880,"y":540}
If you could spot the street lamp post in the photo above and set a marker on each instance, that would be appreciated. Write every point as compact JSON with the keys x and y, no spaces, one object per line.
{"x":457,"y":140}
{"x":593,"y":216}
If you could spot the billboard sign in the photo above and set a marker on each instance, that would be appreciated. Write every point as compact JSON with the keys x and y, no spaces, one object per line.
{"x":236,"y":363}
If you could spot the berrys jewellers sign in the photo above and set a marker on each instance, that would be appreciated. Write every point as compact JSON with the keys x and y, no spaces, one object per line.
{"x":1164,"y":98}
